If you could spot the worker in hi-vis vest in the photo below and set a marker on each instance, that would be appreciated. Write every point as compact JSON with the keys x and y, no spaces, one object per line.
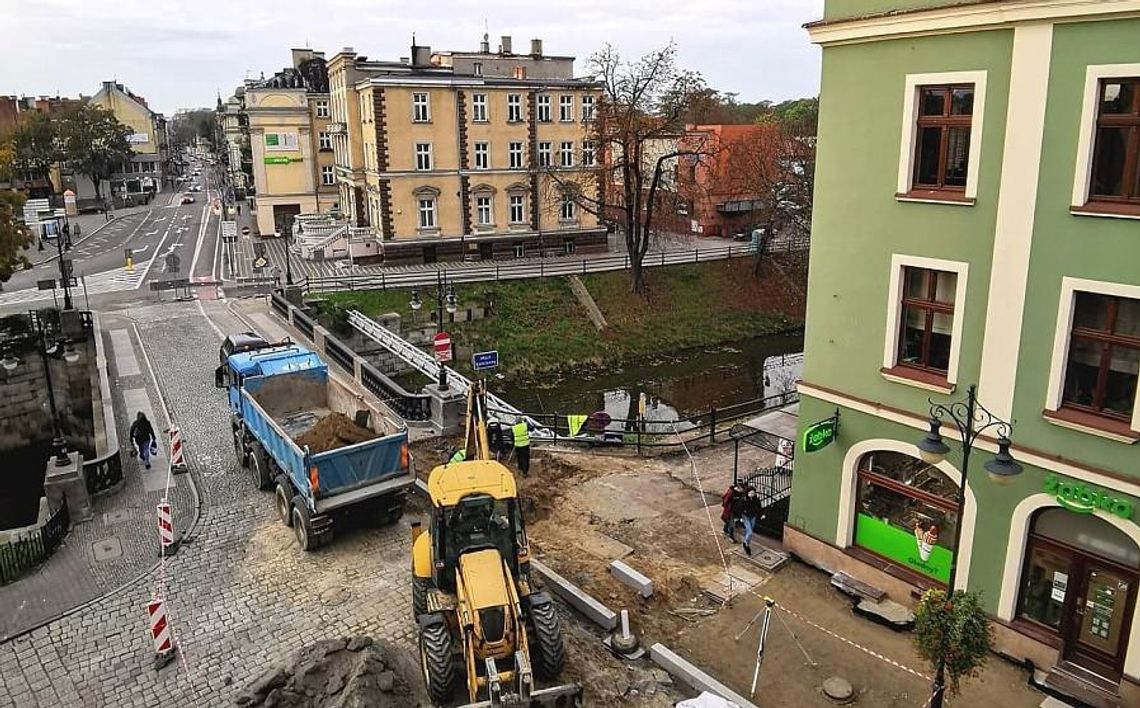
{"x":522,"y":445}
{"x":459,"y":456}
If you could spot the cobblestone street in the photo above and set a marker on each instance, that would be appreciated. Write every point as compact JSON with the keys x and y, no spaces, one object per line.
{"x":241,"y":593}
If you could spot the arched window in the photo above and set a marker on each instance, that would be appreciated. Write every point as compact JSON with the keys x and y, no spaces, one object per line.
{"x":906,"y":512}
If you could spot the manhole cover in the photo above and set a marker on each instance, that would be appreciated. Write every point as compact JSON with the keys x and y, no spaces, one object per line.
{"x":838,"y":689}
{"x":115,"y":517}
{"x":335,"y":596}
{"x":107,"y":549}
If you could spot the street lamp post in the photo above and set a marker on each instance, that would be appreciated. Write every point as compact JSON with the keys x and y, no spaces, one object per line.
{"x":972,"y":419}
{"x":288,"y":231}
{"x":444,"y":299}
{"x":64,"y":275}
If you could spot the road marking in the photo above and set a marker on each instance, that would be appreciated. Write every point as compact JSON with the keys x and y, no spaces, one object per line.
{"x":125,"y":362}
{"x":150,"y":263}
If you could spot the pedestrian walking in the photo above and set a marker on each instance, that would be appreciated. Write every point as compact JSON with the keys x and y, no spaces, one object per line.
{"x":750,"y":511}
{"x":522,"y":445}
{"x":142,"y":435}
{"x":729,"y":508}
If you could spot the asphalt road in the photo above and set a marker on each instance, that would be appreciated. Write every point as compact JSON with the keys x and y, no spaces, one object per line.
{"x":189,"y":232}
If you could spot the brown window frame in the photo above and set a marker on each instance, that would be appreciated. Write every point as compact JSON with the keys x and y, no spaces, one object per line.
{"x":945,"y":122}
{"x":1110,"y":341}
{"x":931,"y":306}
{"x":1131,"y":179}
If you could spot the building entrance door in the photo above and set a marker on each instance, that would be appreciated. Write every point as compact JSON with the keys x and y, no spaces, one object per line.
{"x":1096,"y":635}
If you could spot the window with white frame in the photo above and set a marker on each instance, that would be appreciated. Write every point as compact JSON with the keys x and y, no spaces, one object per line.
{"x":516,"y":155}
{"x":427,"y":213}
{"x":544,"y":154}
{"x":327,"y":178}
{"x":568,"y":211}
{"x":421,"y":110}
{"x":482,"y":156}
{"x":566,"y":108}
{"x":477,"y":68}
{"x":544,"y":108}
{"x":568,"y":246}
{"x":1096,"y":357}
{"x":942,"y":136}
{"x":519,"y":249}
{"x":322,"y":109}
{"x":566,"y":153}
{"x":589,"y":154}
{"x":588,"y":108}
{"x":483,"y":212}
{"x":925,"y":313}
{"x":423,"y":156}
{"x":1107,"y":179}
{"x":517,"y":204}
{"x":514,"y":108}
{"x":479,"y":107}
{"x":324,"y":140}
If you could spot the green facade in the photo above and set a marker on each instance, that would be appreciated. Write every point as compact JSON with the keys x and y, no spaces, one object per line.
{"x":858,"y":225}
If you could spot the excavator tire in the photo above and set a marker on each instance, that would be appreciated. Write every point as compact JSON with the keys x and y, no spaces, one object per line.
{"x":547,"y":653}
{"x":437,"y":660}
{"x":420,"y":588}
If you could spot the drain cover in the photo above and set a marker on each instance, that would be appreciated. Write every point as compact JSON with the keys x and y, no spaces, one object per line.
{"x":335,"y":596}
{"x":107,"y":549}
{"x":115,"y":517}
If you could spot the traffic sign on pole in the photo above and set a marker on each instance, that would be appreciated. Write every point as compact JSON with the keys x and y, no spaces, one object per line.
{"x":485,"y":360}
{"x":442,"y":343}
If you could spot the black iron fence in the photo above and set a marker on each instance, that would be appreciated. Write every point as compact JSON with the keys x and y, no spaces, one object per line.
{"x":104,"y":473}
{"x":22,"y":554}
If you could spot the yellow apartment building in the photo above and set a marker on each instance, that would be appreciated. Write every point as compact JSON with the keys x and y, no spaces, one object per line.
{"x":291,"y":146}
{"x":466,"y":155}
{"x":148,"y":167}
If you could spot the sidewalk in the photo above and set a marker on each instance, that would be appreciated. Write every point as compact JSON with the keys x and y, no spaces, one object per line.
{"x":121,"y":541}
{"x":89,"y":225}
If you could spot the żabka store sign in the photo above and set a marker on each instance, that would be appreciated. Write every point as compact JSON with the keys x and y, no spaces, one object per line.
{"x":1084,"y":499}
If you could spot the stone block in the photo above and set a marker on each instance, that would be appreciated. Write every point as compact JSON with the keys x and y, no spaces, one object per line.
{"x":68,"y":481}
{"x":634,"y":579}
{"x":690,"y":674}
{"x":594,"y":610}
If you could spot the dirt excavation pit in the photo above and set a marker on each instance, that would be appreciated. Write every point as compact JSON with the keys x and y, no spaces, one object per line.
{"x":356,"y":672}
{"x":333,"y":431}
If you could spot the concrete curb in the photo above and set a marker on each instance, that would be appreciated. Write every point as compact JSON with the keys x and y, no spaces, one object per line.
{"x":595,"y":611}
{"x":672,"y":662}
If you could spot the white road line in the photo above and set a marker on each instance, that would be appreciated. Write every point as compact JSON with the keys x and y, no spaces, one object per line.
{"x":201,"y":238}
{"x":150,"y":263}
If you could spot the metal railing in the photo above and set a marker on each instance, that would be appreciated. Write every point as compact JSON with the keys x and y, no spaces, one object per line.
{"x":19,"y":555}
{"x":540,"y":268}
{"x":103,"y":473}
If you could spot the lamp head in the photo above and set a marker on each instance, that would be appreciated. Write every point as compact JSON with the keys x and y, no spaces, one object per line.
{"x":932,"y":448}
{"x":416,"y":302}
{"x":1003,"y":468}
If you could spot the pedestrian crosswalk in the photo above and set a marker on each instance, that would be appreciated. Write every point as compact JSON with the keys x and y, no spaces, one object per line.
{"x":111,"y":281}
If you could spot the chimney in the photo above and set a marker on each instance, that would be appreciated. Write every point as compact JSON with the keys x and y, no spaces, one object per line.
{"x":536,"y":48}
{"x":421,"y":56}
{"x":300,"y":56}
{"x":485,"y":45}
{"x":505,"y":44}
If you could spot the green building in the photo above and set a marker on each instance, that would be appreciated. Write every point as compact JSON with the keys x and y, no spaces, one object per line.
{"x":977,"y":221}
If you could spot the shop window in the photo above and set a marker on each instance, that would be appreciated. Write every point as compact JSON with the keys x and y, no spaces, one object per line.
{"x":906,"y":512}
{"x":1104,"y":356}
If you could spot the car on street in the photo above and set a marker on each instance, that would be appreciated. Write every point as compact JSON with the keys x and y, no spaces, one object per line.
{"x":196,"y":188}
{"x":187,"y":200}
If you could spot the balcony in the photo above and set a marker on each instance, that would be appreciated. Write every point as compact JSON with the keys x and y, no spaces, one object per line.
{"x":337,"y":128}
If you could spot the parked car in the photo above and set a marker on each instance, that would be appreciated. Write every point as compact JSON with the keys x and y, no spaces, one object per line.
{"x":187,"y":200}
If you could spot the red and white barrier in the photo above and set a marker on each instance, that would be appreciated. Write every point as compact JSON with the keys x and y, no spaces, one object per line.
{"x":159,"y":627}
{"x":177,"y":456}
{"x":165,"y":525}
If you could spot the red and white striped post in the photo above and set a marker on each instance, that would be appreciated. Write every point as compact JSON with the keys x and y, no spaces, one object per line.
{"x":177,"y":456}
{"x":160,"y":632}
{"x":165,"y":525}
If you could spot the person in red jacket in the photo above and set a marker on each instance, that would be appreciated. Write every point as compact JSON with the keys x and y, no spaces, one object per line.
{"x":729,"y":508}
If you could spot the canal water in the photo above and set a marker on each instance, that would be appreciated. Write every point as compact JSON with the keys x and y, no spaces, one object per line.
{"x":675,"y":386}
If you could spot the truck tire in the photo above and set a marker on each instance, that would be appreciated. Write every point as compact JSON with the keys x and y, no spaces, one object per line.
{"x":303,"y":525}
{"x":547,"y":653}
{"x":283,"y":500}
{"x":420,"y":587}
{"x":437,"y":661}
{"x":259,"y":468}
{"x":239,"y":448}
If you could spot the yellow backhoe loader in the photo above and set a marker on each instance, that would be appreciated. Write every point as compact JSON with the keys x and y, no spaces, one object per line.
{"x":472,"y":597}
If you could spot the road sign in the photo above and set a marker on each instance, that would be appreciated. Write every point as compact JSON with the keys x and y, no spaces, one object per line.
{"x":260,"y":262}
{"x":442,"y":343}
{"x":819,"y":435}
{"x":229,"y":232}
{"x":48,"y":284}
{"x":173,"y":262}
{"x":485,"y":360}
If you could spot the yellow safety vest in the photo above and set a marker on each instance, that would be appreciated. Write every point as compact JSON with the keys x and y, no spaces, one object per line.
{"x":522,"y":437}
{"x":575,"y":423}
{"x":459,"y":456}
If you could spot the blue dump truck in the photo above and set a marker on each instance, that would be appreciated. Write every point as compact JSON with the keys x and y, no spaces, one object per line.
{"x":324,"y":450}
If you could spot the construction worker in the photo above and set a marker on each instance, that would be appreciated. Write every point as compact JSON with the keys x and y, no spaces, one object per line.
{"x":522,"y":445}
{"x":459,"y":456}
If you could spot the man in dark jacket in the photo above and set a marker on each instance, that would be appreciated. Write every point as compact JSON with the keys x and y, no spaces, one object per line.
{"x":751,"y":511}
{"x":142,"y":435}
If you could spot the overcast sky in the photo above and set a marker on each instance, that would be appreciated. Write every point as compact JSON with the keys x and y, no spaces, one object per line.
{"x":179,"y":54}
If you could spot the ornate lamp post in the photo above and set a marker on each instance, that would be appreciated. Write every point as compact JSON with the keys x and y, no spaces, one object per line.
{"x":445,"y":298}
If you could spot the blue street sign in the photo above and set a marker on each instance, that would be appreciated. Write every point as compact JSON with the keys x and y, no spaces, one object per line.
{"x":485,"y":360}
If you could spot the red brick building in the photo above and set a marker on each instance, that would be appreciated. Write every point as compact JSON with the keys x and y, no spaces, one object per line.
{"x":725,"y":186}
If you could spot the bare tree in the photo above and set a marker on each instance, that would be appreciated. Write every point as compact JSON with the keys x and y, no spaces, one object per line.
{"x":635,"y":130}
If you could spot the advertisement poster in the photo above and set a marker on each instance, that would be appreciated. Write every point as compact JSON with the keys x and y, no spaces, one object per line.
{"x":919,"y":553}
{"x":281,"y":142}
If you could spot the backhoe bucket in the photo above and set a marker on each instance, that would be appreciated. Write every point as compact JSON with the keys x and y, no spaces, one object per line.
{"x":567,"y":696}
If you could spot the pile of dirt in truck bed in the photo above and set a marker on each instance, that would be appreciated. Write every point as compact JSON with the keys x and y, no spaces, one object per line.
{"x":345,"y":673}
{"x":333,"y":431}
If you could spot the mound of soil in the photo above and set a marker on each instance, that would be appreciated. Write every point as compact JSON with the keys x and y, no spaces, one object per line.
{"x":340,"y":673}
{"x":333,"y":431}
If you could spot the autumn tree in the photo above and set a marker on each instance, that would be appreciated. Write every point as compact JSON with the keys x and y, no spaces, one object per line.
{"x":14,"y":235}
{"x":954,"y":635}
{"x":33,"y":147}
{"x":94,"y":142}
